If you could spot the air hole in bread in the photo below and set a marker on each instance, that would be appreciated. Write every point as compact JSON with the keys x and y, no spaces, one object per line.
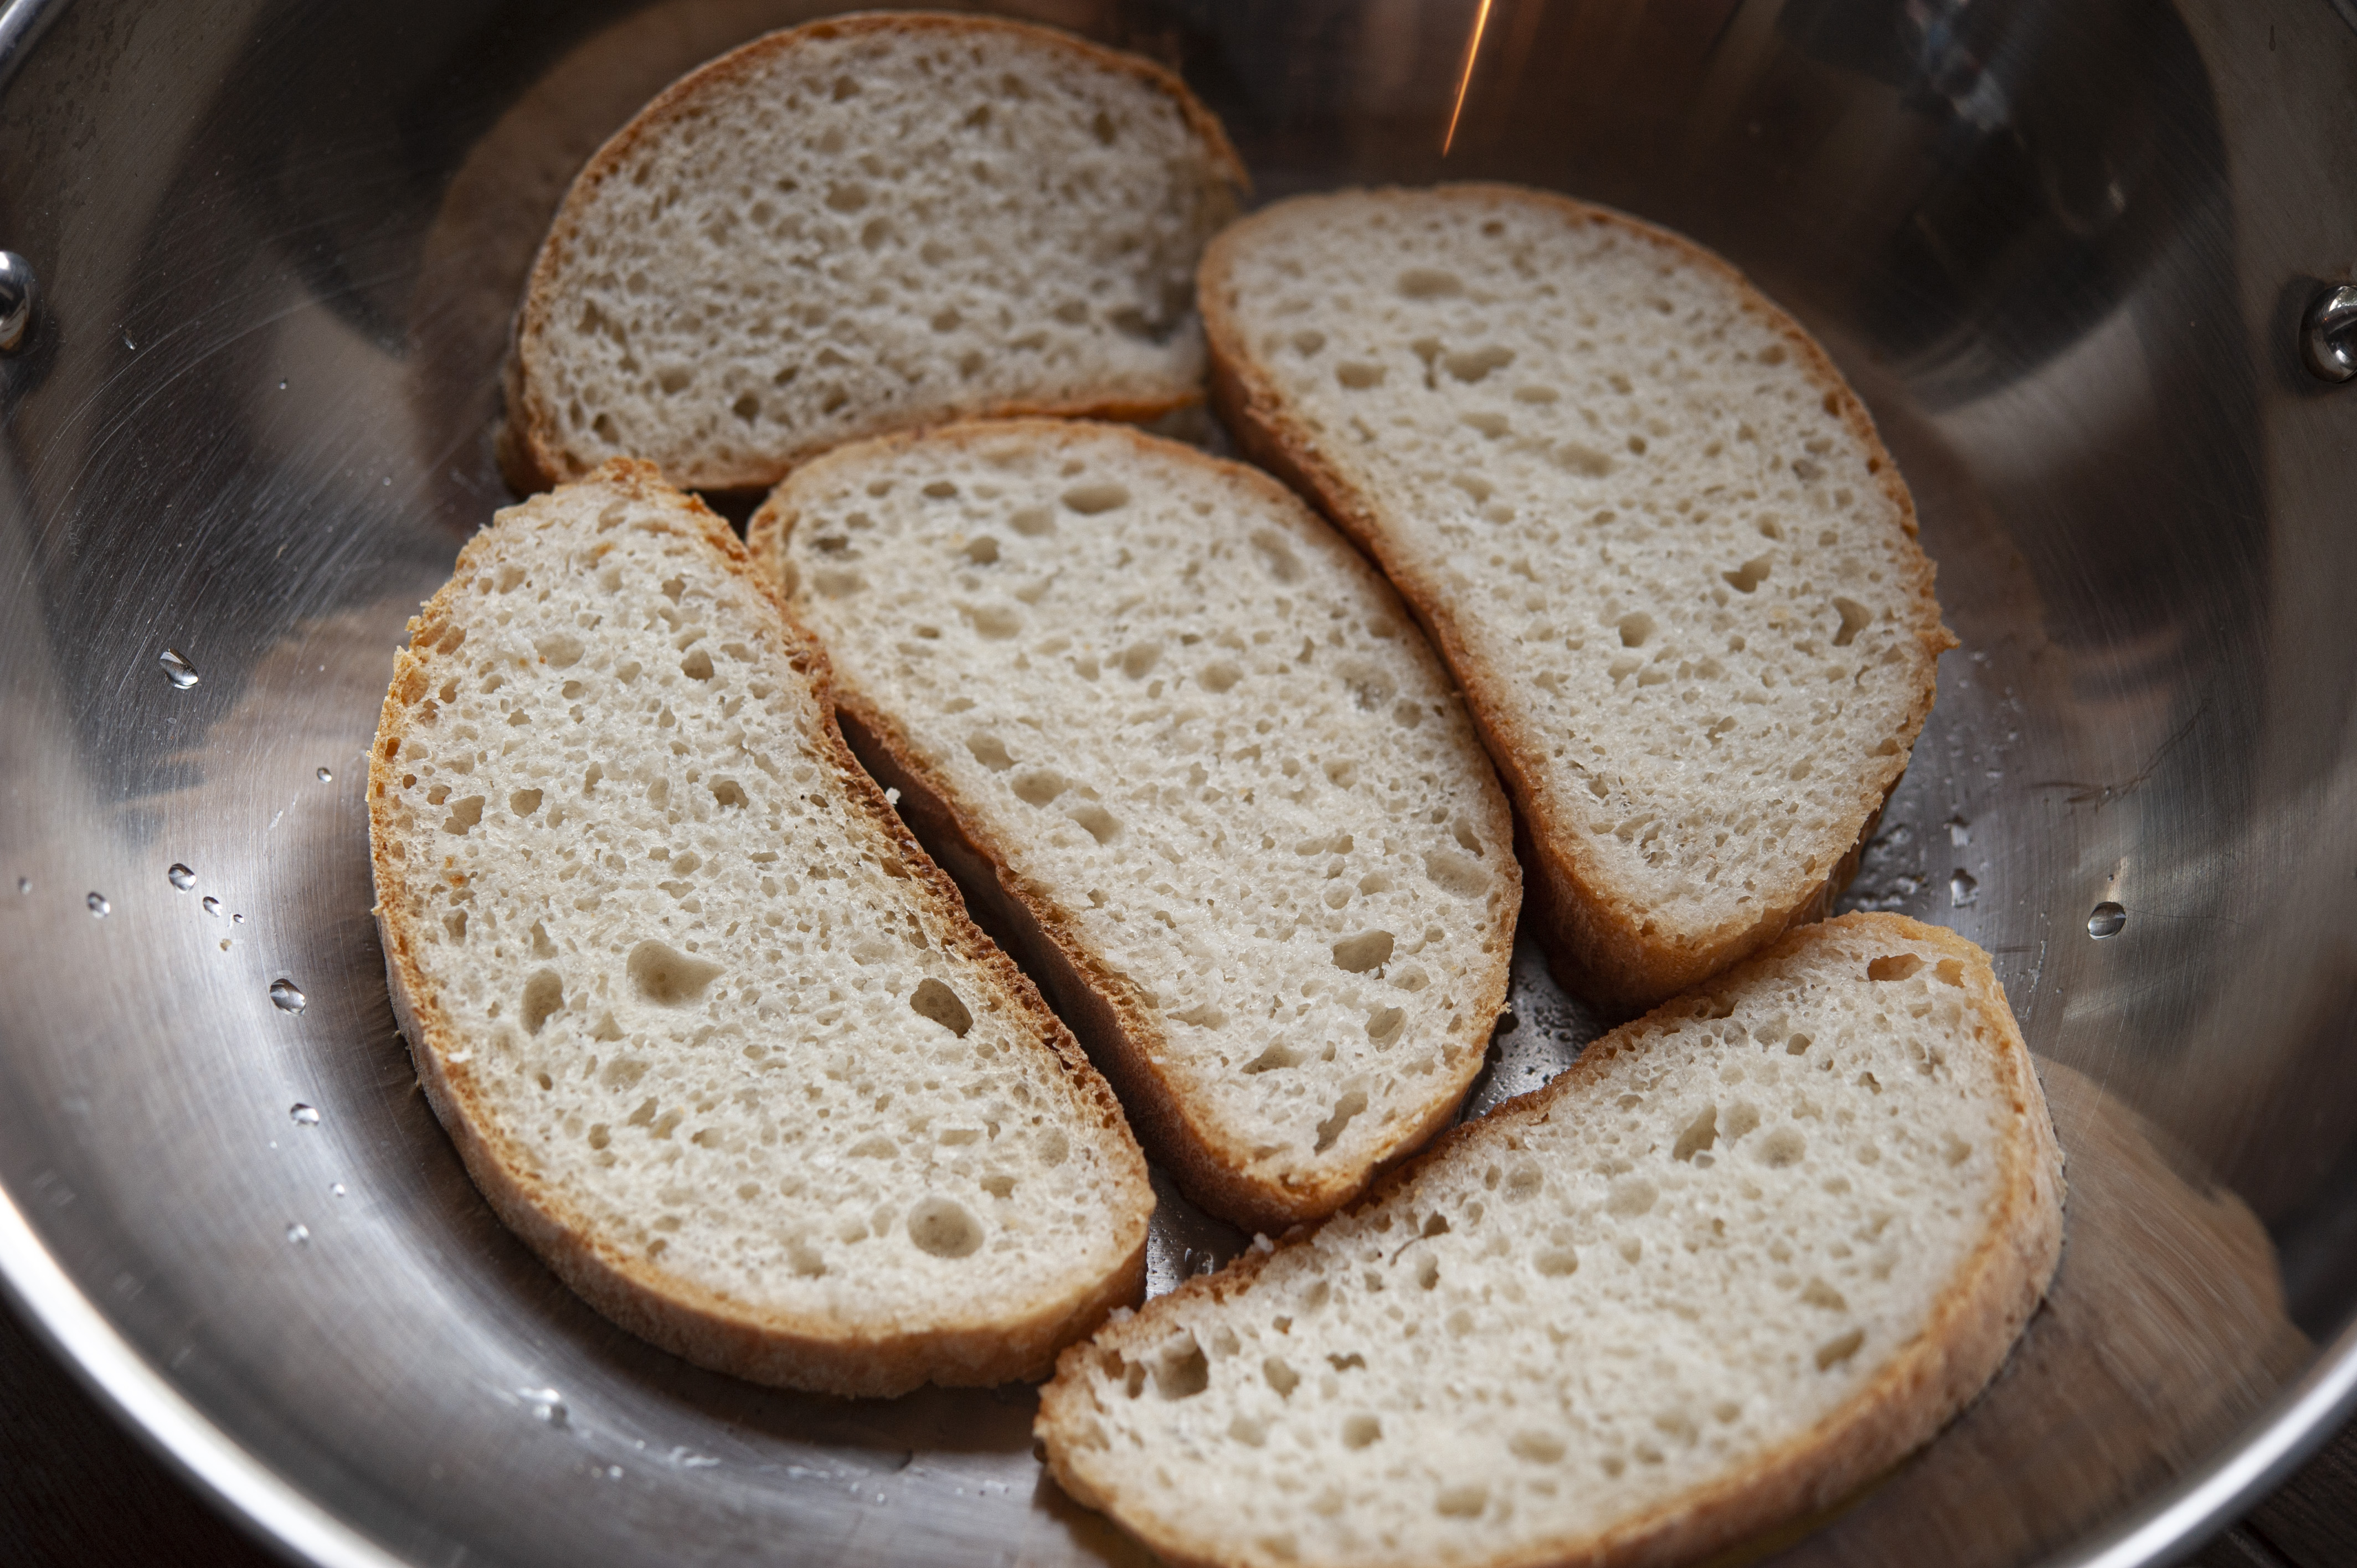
{"x":982,"y":552}
{"x":524,"y":802}
{"x":944,"y":1227}
{"x":1747,"y":577}
{"x":989,"y":751}
{"x":936,"y":1001}
{"x":1182,"y":1371}
{"x":1430,"y":283}
{"x":544,"y":994}
{"x":1472,"y":364}
{"x":1103,"y":496}
{"x":1276,"y":555}
{"x":1032,"y":522}
{"x":1855,"y":618}
{"x":1365,"y":950}
{"x":1361,"y":1430}
{"x":1893,"y":966}
{"x":1635,"y":628}
{"x":1278,"y":1055}
{"x":1038,"y":785}
{"x":1782,"y":1146}
{"x":1102,"y":824}
{"x":1836,"y":1350}
{"x":1330,"y":1130}
{"x":464,"y":815}
{"x":559,"y":650}
{"x":664,"y":975}
{"x":698,"y":665}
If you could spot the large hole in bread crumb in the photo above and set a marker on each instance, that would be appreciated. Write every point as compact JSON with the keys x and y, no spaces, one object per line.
{"x":934,"y":1000}
{"x":1430,"y":283}
{"x":464,"y":815}
{"x":1367,"y":949}
{"x":1893,"y":966}
{"x":1092,"y":498}
{"x":667,"y":977}
{"x":1855,"y":618}
{"x":544,"y":994}
{"x":1330,"y":1130}
{"x":944,"y":1227}
{"x":1455,"y":873}
{"x":1182,"y":1371}
{"x":559,"y":650}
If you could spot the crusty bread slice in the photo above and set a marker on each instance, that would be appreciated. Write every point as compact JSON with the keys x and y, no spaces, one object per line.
{"x":862,"y":224}
{"x":1744,"y":1254}
{"x":1647,"y":524}
{"x":1189,"y":747}
{"x":712,"y":1034}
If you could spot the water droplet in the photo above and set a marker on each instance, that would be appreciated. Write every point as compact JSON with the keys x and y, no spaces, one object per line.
{"x":1962,"y":889}
{"x":338,"y":1188}
{"x":282,"y":386}
{"x":237,"y":919}
{"x":181,"y":877}
{"x":127,"y":342}
{"x":300,"y":1234}
{"x":305,"y":1115}
{"x":177,"y":668}
{"x":24,"y":885}
{"x":325,"y":776}
{"x":211,"y":905}
{"x":1960,"y":832}
{"x":289,"y":999}
{"x":99,"y":907}
{"x":2106,"y":919}
{"x":547,"y":1405}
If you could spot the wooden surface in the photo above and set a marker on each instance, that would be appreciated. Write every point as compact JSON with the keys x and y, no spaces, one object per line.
{"x":77,"y":1491}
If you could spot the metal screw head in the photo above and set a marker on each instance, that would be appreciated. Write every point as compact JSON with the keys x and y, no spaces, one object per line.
{"x":2328,"y":335}
{"x":15,"y":299}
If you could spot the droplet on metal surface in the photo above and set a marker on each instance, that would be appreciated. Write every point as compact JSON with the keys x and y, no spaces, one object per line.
{"x":325,"y":776}
{"x":303,"y":1115}
{"x":300,"y":1234}
{"x":2106,"y":919}
{"x":180,"y":876}
{"x":1963,"y":888}
{"x":211,"y":905}
{"x":288,"y":998}
{"x":177,"y":668}
{"x":99,"y":907}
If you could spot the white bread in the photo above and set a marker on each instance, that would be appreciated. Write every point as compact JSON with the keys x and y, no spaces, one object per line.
{"x":1743,"y":1255}
{"x":1188,"y":744}
{"x":1646,"y":523}
{"x":711,"y":1033}
{"x":862,"y":224}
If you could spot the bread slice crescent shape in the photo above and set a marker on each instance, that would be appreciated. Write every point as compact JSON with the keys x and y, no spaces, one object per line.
{"x":862,"y":224}
{"x":1649,"y":526}
{"x":711,"y":1033}
{"x":1183,"y":739}
{"x":1744,"y":1255}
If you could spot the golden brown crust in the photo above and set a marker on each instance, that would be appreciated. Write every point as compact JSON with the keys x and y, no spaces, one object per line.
{"x":1972,"y":1326}
{"x":990,"y":1341}
{"x":1123,"y":1036}
{"x":530,"y":455}
{"x":1594,"y":936}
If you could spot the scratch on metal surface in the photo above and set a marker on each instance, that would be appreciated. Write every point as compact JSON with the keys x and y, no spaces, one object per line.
{"x":1465,"y":77}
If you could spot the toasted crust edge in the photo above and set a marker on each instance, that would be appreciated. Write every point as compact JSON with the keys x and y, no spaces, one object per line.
{"x":1592,"y":933}
{"x":532,"y":457}
{"x":1967,"y":1340}
{"x":764,"y":1345}
{"x":1124,"y":1037}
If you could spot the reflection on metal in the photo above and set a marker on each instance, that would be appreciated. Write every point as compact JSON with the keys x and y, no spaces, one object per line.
{"x":2328,"y":335}
{"x":15,"y":299}
{"x":1465,"y":77}
{"x":2033,"y":232}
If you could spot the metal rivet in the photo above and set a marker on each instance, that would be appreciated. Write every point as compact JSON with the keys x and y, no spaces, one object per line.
{"x":2328,"y":335}
{"x":15,"y":299}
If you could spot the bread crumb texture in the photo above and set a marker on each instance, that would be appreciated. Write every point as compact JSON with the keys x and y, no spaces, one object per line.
{"x":682,"y":979}
{"x":863,"y":225}
{"x":1190,"y":718}
{"x":1675,"y":568}
{"x":1617,"y":1303}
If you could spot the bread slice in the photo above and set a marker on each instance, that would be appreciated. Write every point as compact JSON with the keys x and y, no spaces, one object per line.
{"x":1646,"y":523}
{"x":1744,"y":1254}
{"x":712,"y":1034}
{"x":864,"y":224}
{"x":1190,"y":748}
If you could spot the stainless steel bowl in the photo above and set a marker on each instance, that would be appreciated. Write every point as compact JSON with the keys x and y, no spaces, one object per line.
{"x":2067,"y":252}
